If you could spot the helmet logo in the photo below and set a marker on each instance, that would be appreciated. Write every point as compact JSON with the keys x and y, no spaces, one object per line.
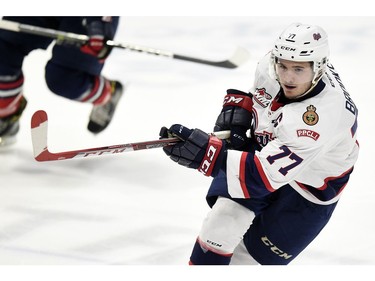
{"x":287,"y":48}
{"x":317,"y":36}
{"x":310,"y":117}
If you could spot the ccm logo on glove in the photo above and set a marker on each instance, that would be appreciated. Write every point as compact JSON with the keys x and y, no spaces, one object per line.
{"x":212,"y":152}
{"x":238,"y":100}
{"x":232,"y":98}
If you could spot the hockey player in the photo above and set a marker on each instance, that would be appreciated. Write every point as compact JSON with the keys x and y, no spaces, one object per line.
{"x":292,"y":149}
{"x":72,"y":72}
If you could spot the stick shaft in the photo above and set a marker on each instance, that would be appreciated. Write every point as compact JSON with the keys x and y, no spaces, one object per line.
{"x":46,"y":155}
{"x":39,"y":132}
{"x":239,"y":57}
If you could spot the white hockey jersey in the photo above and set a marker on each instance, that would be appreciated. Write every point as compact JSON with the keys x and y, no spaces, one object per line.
{"x":309,"y":143}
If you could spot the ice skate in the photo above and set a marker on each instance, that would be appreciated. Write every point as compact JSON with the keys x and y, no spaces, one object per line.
{"x":9,"y":126}
{"x":101,"y":115}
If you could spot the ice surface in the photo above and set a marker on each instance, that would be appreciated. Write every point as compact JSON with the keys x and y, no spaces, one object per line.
{"x":140,"y":208}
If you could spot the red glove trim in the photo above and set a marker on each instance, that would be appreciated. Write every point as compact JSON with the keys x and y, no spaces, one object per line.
{"x":212,"y":152}
{"x":243,"y":101}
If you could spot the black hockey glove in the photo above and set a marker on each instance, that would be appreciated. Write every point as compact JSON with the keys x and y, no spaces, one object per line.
{"x":99,"y":33}
{"x":236,"y":116}
{"x":197,"y":149}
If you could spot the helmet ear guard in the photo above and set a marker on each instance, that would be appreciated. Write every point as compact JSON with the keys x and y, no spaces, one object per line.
{"x":302,"y":43}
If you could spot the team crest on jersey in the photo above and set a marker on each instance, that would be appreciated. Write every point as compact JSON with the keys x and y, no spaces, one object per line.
{"x":310,"y":117}
{"x":262,"y":97}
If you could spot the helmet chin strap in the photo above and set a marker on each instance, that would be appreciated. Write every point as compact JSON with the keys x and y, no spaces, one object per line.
{"x":305,"y":93}
{"x":313,"y":84}
{"x":318,"y":74}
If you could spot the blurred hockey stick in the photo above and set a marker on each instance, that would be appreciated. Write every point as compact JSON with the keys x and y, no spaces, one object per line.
{"x":39,"y":131}
{"x":239,"y":57}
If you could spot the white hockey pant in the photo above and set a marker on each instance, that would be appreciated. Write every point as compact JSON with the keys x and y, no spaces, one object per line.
{"x":223,"y":229}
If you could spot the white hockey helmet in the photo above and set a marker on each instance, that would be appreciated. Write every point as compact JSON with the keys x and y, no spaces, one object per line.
{"x":303,"y":43}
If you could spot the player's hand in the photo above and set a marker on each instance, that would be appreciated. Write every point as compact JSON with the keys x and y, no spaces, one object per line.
{"x":197,"y":149}
{"x":236,"y":116}
{"x":98,"y":33}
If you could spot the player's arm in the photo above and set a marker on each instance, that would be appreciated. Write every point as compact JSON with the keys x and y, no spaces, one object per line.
{"x":209,"y":155}
{"x":248,"y":174}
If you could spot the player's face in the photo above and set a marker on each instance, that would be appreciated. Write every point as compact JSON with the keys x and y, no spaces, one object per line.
{"x":294,"y":77}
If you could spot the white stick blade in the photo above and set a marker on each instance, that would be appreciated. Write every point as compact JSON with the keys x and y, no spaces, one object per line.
{"x":240,"y":56}
{"x":39,"y":129}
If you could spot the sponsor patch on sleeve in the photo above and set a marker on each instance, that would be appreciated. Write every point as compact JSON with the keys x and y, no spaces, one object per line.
{"x":308,"y":133}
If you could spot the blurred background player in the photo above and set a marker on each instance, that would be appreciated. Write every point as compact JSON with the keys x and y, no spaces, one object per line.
{"x":292,"y":149}
{"x":73,"y":72}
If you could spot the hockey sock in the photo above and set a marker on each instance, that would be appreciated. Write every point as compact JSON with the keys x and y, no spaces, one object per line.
{"x":100,"y":92}
{"x":10,"y":96}
{"x":203,"y":256}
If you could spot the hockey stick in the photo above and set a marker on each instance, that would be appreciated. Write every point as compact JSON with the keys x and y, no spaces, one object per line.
{"x":239,"y":57}
{"x":39,"y":131}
